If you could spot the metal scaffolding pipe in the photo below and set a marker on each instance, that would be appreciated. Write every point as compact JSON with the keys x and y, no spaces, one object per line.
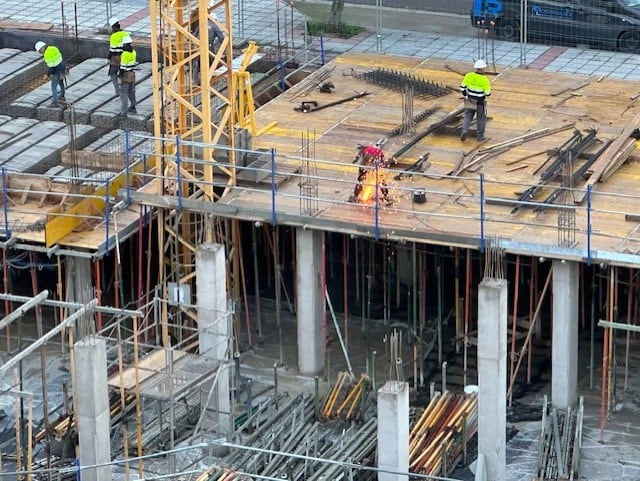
{"x":53,"y":332}
{"x":30,"y":302}
{"x":618,"y":325}
{"x":68,"y":304}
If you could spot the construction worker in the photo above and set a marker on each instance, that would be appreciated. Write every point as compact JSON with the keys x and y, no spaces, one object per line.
{"x":475,"y":89}
{"x":370,"y":158}
{"x":216,"y":35}
{"x":115,"y":51}
{"x":57,"y":69}
{"x":127,"y":75}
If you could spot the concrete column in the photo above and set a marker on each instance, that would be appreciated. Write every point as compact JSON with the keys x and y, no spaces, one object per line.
{"x":214,"y":323}
{"x":79,"y":286}
{"x":310,"y":303}
{"x":492,"y":376}
{"x":92,"y":403}
{"x":564,"y":348}
{"x":393,"y":430}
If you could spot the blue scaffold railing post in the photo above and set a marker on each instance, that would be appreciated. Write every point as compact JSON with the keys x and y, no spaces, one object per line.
{"x":127,"y":163}
{"x":274,"y":219}
{"x":482,"y":239}
{"x":107,"y":215}
{"x":589,"y":259}
{"x":5,"y":203}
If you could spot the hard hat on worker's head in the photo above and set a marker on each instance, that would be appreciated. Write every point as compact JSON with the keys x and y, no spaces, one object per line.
{"x":40,"y":45}
{"x":126,"y":38}
{"x":113,"y":21}
{"x":480,"y":64}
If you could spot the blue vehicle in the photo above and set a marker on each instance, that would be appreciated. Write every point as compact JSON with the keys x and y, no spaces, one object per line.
{"x":610,"y":24}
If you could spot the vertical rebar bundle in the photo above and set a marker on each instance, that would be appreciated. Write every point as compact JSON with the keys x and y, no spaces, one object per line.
{"x":308,"y":178}
{"x":408,"y":124}
{"x":494,"y":260}
{"x":567,"y":217}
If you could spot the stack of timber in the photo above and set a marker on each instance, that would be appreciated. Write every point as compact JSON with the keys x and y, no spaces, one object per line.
{"x":560,"y":442}
{"x":438,"y":440}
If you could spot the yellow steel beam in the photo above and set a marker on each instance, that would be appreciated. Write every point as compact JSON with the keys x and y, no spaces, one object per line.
{"x":60,"y":224}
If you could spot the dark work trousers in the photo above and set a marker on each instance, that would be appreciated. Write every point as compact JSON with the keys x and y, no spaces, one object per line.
{"x":57,"y":86}
{"x":127,"y":95}
{"x":113,"y":75}
{"x":480,"y":112}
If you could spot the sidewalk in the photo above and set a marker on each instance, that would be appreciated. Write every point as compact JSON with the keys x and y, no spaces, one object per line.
{"x":402,"y":32}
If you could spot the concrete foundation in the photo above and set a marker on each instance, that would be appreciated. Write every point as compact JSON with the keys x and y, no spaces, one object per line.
{"x":393,"y":431}
{"x":564,"y":350}
{"x":214,"y":325}
{"x":492,"y":376}
{"x":310,"y":302}
{"x":91,"y":397}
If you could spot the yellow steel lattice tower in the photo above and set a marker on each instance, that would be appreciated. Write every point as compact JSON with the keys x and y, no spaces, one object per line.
{"x":193,"y":109}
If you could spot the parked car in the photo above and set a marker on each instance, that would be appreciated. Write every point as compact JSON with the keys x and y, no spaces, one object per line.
{"x":611,"y":24}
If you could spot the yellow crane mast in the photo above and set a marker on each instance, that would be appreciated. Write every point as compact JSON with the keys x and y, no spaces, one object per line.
{"x":194,"y":107}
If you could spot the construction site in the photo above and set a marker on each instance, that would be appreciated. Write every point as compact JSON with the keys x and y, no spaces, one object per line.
{"x":221,"y":284}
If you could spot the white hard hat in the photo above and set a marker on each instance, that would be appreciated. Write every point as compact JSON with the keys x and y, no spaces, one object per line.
{"x":480,"y":64}
{"x":113,"y":21}
{"x":39,"y":46}
{"x":126,"y":38}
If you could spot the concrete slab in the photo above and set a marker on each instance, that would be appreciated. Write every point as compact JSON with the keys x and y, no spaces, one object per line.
{"x":105,"y":115}
{"x":38,"y":144}
{"x":28,"y":104}
{"x":19,"y":68}
{"x":96,"y":91}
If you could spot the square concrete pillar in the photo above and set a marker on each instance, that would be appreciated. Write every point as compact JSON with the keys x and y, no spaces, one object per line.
{"x":91,"y":396}
{"x":310,"y":302}
{"x":393,"y":431}
{"x":492,"y":375}
{"x":214,"y":325}
{"x":564,"y":347}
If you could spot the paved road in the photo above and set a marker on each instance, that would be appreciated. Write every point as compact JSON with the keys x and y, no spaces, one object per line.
{"x":361,"y":12}
{"x":448,"y":6}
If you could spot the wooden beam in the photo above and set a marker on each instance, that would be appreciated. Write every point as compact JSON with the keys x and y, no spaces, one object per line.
{"x":603,"y":161}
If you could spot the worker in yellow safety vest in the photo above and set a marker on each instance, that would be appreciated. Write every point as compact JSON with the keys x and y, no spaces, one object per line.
{"x":127,"y":75}
{"x":116,"y":41}
{"x":475,"y":89}
{"x":57,"y":69}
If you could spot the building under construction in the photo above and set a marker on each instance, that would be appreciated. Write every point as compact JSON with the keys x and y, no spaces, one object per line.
{"x":223,"y":285}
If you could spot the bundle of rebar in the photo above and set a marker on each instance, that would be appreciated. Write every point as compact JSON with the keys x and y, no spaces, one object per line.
{"x":400,"y":81}
{"x":438,"y":439}
{"x":560,"y":442}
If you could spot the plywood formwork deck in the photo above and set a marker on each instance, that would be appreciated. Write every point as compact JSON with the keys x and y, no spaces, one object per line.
{"x":523,"y":101}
